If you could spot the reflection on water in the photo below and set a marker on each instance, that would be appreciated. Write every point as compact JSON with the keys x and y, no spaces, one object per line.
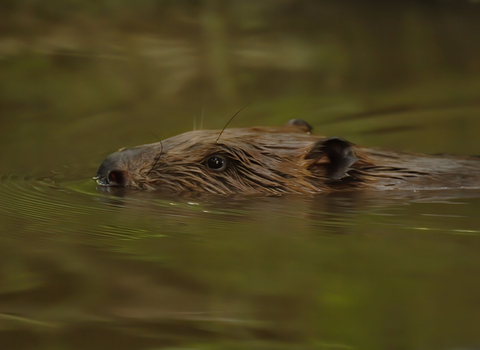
{"x":83,"y":268}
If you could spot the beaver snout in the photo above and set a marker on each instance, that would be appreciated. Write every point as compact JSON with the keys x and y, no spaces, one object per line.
{"x":114,"y":169}
{"x":119,"y":168}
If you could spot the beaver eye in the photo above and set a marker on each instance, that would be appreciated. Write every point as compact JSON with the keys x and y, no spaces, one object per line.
{"x":217,"y":163}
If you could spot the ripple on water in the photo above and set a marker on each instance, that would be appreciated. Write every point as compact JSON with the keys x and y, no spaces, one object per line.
{"x":46,"y":208}
{"x":60,"y":208}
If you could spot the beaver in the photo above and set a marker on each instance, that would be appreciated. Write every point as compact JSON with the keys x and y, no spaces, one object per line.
{"x":278,"y":160}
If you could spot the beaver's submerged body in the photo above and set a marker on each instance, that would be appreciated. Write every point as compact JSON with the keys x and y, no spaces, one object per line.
{"x":280,"y":160}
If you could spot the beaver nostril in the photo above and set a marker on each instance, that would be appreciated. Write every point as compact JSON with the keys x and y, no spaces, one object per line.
{"x":117,"y":178}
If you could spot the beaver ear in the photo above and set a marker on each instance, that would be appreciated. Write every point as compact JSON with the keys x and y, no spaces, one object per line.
{"x":300,"y":123}
{"x":339,"y":153}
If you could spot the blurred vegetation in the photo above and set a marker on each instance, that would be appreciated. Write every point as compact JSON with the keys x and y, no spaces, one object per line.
{"x":243,"y":49}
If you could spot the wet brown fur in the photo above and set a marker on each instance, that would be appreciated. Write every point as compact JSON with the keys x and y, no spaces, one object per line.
{"x":280,"y":160}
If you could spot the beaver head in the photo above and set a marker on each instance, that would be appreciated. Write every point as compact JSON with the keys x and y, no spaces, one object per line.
{"x":280,"y":160}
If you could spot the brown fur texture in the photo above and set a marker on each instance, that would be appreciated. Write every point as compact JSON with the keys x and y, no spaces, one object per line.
{"x":273,"y":161}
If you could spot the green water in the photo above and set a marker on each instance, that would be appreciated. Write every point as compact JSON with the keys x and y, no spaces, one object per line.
{"x":83,"y":268}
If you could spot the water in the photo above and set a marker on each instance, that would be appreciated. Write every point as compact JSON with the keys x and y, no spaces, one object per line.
{"x":82,"y":268}
{"x":86,"y":268}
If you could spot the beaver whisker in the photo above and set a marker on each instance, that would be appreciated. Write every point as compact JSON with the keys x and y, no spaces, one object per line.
{"x":221,"y":132}
{"x":157,"y":157}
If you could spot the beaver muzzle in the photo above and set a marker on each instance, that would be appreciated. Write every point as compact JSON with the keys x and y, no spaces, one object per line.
{"x":113,"y":171}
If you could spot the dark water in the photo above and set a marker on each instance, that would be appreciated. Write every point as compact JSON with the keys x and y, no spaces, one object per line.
{"x":83,"y":268}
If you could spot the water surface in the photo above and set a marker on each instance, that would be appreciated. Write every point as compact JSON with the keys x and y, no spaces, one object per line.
{"x":85,"y":268}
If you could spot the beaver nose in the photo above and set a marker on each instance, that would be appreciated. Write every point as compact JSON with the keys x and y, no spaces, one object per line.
{"x":111,"y":173}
